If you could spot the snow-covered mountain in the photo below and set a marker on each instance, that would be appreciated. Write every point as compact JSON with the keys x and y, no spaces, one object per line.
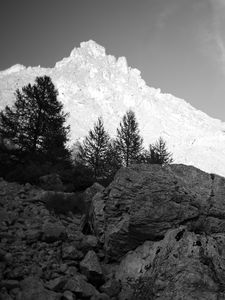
{"x":93,"y":84}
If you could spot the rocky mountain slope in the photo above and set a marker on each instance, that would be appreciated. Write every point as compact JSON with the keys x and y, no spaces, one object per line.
{"x":93,"y":84}
{"x":154,"y":233}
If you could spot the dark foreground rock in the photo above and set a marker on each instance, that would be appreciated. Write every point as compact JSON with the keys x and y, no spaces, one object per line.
{"x":40,"y":252}
{"x":145,"y":201}
{"x":184,"y":265}
{"x":154,"y":233}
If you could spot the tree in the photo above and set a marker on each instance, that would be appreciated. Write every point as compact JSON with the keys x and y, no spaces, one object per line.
{"x":93,"y":151}
{"x":36,"y":122}
{"x":113,"y":160}
{"x":128,"y":141}
{"x":158,"y":153}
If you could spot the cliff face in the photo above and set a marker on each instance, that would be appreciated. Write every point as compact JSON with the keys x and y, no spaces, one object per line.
{"x":93,"y":84}
{"x":176,"y":217}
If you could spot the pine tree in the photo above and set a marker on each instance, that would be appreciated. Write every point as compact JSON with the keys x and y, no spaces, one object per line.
{"x":128,"y":141}
{"x":36,"y":122}
{"x":93,"y":151}
{"x":158,"y":153}
{"x":113,"y":160}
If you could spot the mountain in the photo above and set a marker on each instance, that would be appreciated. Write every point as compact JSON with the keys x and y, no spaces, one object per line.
{"x":92,"y":84}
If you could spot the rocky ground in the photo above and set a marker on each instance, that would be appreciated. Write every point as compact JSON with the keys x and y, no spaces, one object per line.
{"x":45,"y":256}
{"x":154,"y":233}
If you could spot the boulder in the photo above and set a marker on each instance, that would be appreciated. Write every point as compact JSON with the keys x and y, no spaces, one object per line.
{"x":184,"y":265}
{"x":91,"y":268}
{"x":97,"y":216}
{"x":70,"y":252}
{"x":53,"y":232}
{"x":80,"y":287}
{"x":145,"y":201}
{"x":90,"y":192}
{"x":89,"y":242}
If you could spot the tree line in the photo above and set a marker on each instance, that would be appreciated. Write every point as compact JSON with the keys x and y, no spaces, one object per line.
{"x":35,"y":127}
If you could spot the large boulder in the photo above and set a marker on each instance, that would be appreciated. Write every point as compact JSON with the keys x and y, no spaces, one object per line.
{"x":184,"y":265}
{"x":145,"y":201}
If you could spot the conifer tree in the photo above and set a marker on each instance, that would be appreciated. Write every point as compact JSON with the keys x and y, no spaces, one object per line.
{"x":128,"y":140}
{"x":93,"y":151}
{"x":113,"y":159}
{"x":158,"y":153}
{"x":36,"y":122}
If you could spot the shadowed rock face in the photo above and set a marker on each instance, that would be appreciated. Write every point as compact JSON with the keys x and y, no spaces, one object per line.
{"x":184,"y":265}
{"x":145,"y":201}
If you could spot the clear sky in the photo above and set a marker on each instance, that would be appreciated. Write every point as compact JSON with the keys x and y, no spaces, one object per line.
{"x":178,"y":45}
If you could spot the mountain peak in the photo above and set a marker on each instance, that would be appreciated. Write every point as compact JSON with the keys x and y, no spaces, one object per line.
{"x":93,"y":84}
{"x":90,"y":47}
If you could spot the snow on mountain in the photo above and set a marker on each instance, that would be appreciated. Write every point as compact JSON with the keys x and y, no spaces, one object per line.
{"x":93,"y":84}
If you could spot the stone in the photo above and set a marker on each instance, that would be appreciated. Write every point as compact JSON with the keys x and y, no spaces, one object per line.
{"x":53,"y":232}
{"x":8,"y":258}
{"x":33,"y":235}
{"x":4,"y":295}
{"x":91,"y":268}
{"x":80,"y":287}
{"x":9,"y":284}
{"x":57,"y":284}
{"x":100,"y":296}
{"x":90,"y":192}
{"x":68,"y":295}
{"x":89,"y":242}
{"x":145,"y":201}
{"x":71,"y":252}
{"x":32,"y":288}
{"x":183,"y":263}
{"x":111,"y":287}
{"x":97,"y":215}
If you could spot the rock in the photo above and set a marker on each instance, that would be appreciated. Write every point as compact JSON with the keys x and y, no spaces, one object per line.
{"x":9,"y":284}
{"x":89,"y":242}
{"x":90,"y":192}
{"x":68,"y":295}
{"x":4,"y":295}
{"x":53,"y":232}
{"x":183,"y":263}
{"x":71,"y":252}
{"x":51,"y":182}
{"x":100,"y":296}
{"x":80,"y":287}
{"x":2,"y":254}
{"x":8,"y":258}
{"x":33,"y":289}
{"x":57,"y":284}
{"x":145,"y":201}
{"x":33,"y":235}
{"x":111,"y":287}
{"x":97,"y":215}
{"x":91,"y":268}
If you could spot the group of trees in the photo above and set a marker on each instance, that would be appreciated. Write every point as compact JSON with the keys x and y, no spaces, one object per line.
{"x":105,"y":155}
{"x":35,"y":127}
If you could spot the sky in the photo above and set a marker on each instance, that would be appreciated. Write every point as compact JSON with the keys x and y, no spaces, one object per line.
{"x":178,"y":45}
